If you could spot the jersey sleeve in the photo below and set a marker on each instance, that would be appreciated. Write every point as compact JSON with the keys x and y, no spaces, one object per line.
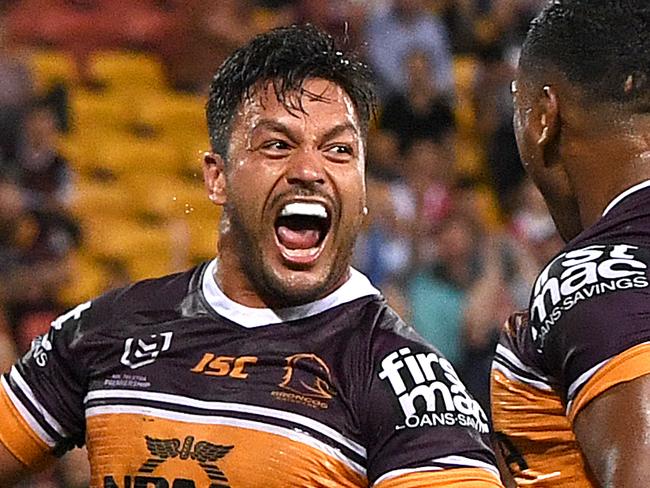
{"x":590,"y":320}
{"x":423,"y":427}
{"x":41,"y":398}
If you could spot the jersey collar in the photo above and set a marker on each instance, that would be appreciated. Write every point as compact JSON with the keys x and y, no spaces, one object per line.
{"x":357,"y":286}
{"x":625,"y":194}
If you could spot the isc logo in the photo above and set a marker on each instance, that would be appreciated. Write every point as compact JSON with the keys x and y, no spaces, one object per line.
{"x":224,"y":365}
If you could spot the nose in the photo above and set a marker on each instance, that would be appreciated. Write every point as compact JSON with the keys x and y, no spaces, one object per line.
{"x":305,"y":170}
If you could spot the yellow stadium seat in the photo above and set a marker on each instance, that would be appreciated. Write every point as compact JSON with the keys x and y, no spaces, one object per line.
{"x":180,"y":117}
{"x":470,"y":157}
{"x":123,"y":154}
{"x":50,"y":67}
{"x":149,"y":265}
{"x":95,"y":197}
{"x":192,"y":151}
{"x":136,"y":72}
{"x":171,"y":197}
{"x":180,"y":202}
{"x":97,"y":111}
{"x":465,"y":73}
{"x":124,"y":238}
{"x":203,"y":238}
{"x":88,"y":279}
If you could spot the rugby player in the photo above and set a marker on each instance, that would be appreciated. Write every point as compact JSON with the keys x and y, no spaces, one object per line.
{"x":571,"y":382}
{"x":276,"y":364}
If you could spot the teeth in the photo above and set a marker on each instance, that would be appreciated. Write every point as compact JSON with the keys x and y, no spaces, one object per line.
{"x":306,"y":209}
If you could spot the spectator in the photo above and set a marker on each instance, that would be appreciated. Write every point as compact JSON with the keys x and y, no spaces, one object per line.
{"x":43,"y":173}
{"x":459,"y":17}
{"x":7,"y":346}
{"x":15,"y":95}
{"x":12,"y":213}
{"x":383,"y":250}
{"x":438,"y":291}
{"x":532,"y":227}
{"x":47,"y":241}
{"x":384,"y":159}
{"x":429,"y":181}
{"x":422,"y":112}
{"x":344,"y":19}
{"x":395,"y":32}
{"x":494,"y":119}
{"x":34,"y":246}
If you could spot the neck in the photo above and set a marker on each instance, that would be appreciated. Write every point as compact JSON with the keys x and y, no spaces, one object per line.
{"x":604,"y":167}
{"x":232,"y":279}
{"x":236,"y":283}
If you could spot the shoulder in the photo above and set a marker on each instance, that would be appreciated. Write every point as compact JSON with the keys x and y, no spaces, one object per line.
{"x":385,"y":328}
{"x":586,"y":279}
{"x":162,"y":297}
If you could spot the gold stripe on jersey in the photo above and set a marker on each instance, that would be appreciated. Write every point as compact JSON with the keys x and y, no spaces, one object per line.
{"x":454,"y":478}
{"x":126,"y":446}
{"x":627,"y":366}
{"x":536,"y":436}
{"x":19,"y":438}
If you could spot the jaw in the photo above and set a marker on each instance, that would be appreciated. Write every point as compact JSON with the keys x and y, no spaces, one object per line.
{"x":294,"y":283}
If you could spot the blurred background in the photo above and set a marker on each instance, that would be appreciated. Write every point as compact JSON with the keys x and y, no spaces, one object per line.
{"x":102,"y":130}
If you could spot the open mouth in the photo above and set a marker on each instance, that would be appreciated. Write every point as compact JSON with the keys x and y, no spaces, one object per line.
{"x":301,"y":229}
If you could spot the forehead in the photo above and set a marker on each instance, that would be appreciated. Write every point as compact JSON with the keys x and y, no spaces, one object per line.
{"x":318,"y":102}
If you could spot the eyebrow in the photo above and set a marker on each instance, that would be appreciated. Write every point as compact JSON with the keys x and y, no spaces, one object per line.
{"x":276,"y":126}
{"x":339,"y":129}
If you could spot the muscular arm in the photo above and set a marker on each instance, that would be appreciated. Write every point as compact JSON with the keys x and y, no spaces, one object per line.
{"x":613,"y":431}
{"x":11,"y":469}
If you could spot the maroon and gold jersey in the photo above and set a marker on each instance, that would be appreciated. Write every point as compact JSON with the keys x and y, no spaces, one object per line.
{"x":171,"y":384}
{"x":587,"y":329}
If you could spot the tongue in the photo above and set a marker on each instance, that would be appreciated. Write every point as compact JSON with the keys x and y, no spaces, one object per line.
{"x":298,"y":239}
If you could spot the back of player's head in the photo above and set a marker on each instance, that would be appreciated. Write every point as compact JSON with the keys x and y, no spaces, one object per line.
{"x":286,"y":57}
{"x":601,"y":46}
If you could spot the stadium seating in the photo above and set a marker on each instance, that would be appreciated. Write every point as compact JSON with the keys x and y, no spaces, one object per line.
{"x":134,"y":73}
{"x":50,"y":67}
{"x":136,"y":148}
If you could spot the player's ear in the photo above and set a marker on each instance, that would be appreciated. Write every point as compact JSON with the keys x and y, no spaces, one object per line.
{"x":547,"y":124}
{"x":214,"y":177}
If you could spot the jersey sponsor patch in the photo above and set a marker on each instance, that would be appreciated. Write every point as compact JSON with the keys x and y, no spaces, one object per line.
{"x":205,"y":453}
{"x":430,"y":392}
{"x":579,"y":275}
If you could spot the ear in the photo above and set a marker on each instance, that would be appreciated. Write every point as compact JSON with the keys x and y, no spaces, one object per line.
{"x":214,"y":177}
{"x":547,"y":123}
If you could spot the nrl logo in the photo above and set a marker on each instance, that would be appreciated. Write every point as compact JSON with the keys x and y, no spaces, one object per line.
{"x":140,"y":352}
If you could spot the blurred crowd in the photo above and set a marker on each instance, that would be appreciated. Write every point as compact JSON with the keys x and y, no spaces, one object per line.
{"x":455,"y":233}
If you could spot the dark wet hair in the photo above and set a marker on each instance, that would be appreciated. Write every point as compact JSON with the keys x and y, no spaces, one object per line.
{"x":285,"y":56}
{"x":602,"y":46}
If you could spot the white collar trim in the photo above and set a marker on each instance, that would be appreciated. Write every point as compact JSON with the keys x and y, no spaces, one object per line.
{"x":625,"y":194}
{"x":355,"y":287}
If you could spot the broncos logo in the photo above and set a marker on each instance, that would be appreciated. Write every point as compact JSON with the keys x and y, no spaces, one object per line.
{"x":205,"y":453}
{"x":308,"y":375}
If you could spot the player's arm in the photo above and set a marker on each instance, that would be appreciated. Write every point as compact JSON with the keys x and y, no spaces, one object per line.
{"x":22,"y":450}
{"x":41,"y":400}
{"x":597,"y":346}
{"x":11,"y":470}
{"x":614,"y":433}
